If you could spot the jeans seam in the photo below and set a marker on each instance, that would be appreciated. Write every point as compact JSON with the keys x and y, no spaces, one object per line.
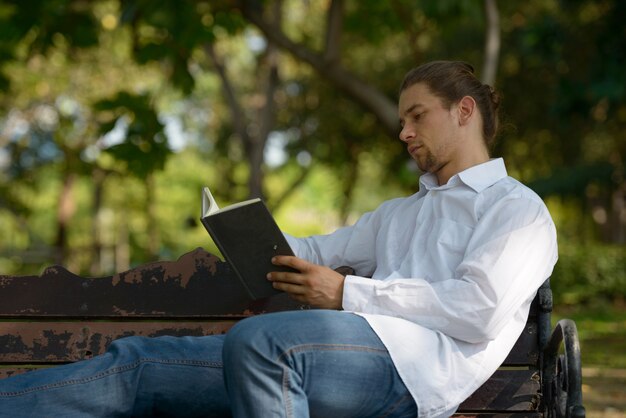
{"x":109,"y":372}
{"x":288,"y":403}
{"x":329,"y":347}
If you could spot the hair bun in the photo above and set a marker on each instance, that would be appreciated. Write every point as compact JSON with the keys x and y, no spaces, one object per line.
{"x":494,"y":95}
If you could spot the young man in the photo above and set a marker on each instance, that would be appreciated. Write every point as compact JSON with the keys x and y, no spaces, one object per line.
{"x":453,"y":271}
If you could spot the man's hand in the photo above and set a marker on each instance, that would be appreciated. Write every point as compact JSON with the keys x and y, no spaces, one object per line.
{"x":313,"y":285}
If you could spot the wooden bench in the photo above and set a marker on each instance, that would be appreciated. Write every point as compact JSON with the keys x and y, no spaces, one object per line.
{"x":59,"y":317}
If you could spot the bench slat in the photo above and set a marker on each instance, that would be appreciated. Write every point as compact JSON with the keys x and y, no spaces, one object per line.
{"x":506,"y":390}
{"x":14,"y":334}
{"x":525,"y":352}
{"x":59,"y":342}
{"x":197,"y":284}
{"x":8,"y":371}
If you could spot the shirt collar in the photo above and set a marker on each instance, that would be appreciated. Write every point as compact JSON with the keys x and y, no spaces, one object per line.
{"x":478,"y":177}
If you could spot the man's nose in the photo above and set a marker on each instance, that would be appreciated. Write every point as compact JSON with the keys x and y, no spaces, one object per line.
{"x":406,"y":133}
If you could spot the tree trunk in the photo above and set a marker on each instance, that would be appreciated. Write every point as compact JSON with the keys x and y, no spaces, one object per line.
{"x":154,"y":239}
{"x":492,"y":42}
{"x":122,"y":247}
{"x":348,"y":186}
{"x":266,"y":119}
{"x":98,"y":176}
{"x":65,"y":211}
{"x":254,"y":141}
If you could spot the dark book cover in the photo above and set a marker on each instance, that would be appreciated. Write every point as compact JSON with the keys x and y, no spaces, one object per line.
{"x":248,"y":237}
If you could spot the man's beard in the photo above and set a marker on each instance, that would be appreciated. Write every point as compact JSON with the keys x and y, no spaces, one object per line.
{"x":428,"y":163}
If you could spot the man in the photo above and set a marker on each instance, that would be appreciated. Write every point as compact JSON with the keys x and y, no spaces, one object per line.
{"x":453,"y":271}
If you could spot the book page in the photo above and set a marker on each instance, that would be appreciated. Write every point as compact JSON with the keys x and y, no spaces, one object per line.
{"x":238,"y":205}
{"x":209,"y":205}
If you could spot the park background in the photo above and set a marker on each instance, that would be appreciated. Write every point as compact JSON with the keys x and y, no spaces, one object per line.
{"x":114,"y":114}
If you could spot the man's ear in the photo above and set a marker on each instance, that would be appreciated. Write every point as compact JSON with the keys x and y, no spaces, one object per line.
{"x":466,"y":109}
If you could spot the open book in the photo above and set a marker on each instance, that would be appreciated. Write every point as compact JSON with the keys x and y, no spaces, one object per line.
{"x":248,"y":237}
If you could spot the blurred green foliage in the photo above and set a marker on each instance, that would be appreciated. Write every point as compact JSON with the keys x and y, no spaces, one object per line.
{"x":114,"y":113}
{"x":588,"y":274}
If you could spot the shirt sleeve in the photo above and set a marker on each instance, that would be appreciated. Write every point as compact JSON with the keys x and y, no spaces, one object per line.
{"x":511,"y":252}
{"x":353,"y":246}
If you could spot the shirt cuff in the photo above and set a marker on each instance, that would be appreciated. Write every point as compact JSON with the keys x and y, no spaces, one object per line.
{"x":357,"y":293}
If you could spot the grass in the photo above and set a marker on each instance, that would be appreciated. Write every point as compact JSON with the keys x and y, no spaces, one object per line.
{"x":602,"y":335}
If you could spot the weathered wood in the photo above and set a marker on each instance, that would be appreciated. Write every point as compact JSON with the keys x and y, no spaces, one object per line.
{"x":198,"y":283}
{"x":8,"y":371}
{"x":61,"y":342}
{"x":525,"y":352}
{"x":507,"y":390}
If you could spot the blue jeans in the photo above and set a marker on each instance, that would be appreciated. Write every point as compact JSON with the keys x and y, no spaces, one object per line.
{"x":290,"y":364}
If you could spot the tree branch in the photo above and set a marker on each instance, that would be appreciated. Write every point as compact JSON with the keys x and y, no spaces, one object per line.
{"x":235,"y":109}
{"x":368,"y":96}
{"x":334,"y":28}
{"x":276,"y":203}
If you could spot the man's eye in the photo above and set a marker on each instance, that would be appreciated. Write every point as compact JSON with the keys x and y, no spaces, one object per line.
{"x":417,"y":116}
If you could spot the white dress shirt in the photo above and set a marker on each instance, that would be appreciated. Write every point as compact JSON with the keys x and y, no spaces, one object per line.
{"x":454,"y":269}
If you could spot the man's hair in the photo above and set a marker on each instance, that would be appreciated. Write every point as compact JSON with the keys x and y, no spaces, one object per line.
{"x":451,"y":81}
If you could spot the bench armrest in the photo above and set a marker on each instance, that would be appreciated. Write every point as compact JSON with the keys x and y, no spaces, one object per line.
{"x":562,"y":376}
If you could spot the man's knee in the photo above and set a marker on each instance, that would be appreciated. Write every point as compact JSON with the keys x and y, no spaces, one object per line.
{"x":131,"y":346}
{"x":247,"y":334}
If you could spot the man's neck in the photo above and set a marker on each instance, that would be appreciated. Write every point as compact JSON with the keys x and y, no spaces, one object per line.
{"x":465,"y":160}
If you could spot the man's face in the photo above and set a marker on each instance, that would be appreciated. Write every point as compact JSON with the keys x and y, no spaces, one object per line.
{"x":428,"y":128}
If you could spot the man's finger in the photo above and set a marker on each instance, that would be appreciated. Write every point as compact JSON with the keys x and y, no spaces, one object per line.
{"x":291,"y":261}
{"x":285,"y":277}
{"x":292,"y":289}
